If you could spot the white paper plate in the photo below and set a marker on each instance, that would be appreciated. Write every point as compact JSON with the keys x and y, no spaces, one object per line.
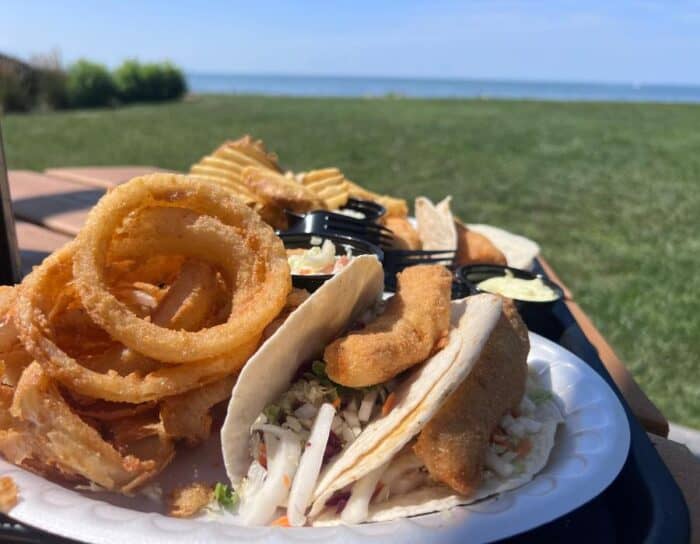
{"x":590,"y":450}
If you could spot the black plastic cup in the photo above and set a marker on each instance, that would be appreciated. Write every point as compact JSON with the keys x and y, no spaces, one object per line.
{"x":311,"y":282}
{"x":371,"y":210}
{"x":472,"y":274}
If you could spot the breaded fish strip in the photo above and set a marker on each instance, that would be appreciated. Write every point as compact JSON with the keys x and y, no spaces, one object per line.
{"x":415,"y":321}
{"x":405,"y":236}
{"x":453,"y":444}
{"x":474,"y":247}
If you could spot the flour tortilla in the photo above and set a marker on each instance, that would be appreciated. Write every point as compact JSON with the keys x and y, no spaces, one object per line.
{"x":435,"y":224}
{"x":474,"y":319}
{"x":314,"y":324}
{"x":304,"y":335}
{"x":520,"y":252}
{"x":436,"y":229}
{"x":440,"y":497}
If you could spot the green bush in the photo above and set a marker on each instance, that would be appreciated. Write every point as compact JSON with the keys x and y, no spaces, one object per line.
{"x":90,"y":85}
{"x":138,"y":82}
{"x":128,"y":79}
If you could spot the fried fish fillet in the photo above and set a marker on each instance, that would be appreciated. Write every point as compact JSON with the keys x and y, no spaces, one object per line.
{"x":473,"y":247}
{"x":453,"y":444}
{"x":278,"y":190}
{"x":414,"y":323}
{"x":405,"y":236}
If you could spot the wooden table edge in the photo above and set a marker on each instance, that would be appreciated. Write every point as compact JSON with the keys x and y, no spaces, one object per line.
{"x":642,"y":407}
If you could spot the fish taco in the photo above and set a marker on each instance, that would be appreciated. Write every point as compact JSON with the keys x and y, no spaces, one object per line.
{"x":372,"y":411}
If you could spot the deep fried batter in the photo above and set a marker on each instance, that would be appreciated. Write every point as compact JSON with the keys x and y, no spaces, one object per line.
{"x":8,"y":494}
{"x":188,"y":416}
{"x":278,"y":190}
{"x":415,"y":321}
{"x":294,"y":299}
{"x":473,"y":247}
{"x":405,"y":236}
{"x":453,"y":444}
{"x":189,"y":500}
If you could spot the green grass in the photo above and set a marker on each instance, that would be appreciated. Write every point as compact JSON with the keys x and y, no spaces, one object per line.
{"x":611,"y":191}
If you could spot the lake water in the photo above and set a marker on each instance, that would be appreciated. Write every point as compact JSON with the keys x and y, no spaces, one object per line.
{"x":436,"y":88}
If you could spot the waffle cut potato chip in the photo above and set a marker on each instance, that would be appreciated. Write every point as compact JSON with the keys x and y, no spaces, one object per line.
{"x":225,"y":167}
{"x":255,"y":150}
{"x":329,"y":184}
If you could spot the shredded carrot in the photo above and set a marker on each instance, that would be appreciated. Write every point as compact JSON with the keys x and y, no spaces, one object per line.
{"x":262,"y":455}
{"x":336,"y":403}
{"x":524,"y":447}
{"x":285,"y":479}
{"x":389,"y":403}
{"x":281,"y":522}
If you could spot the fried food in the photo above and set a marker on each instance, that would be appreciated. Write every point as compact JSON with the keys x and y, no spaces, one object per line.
{"x":405,"y":236}
{"x":13,"y":357}
{"x":395,"y":207}
{"x":473,"y":248}
{"x":161,"y":256}
{"x":453,"y":444}
{"x":225,"y":167}
{"x":248,"y":152}
{"x":8,"y":494}
{"x":148,"y":381}
{"x":329,"y":184}
{"x":416,"y":320}
{"x":255,"y":149}
{"x":294,"y":300}
{"x":255,"y":263}
{"x":40,"y":432}
{"x":189,"y":500}
{"x":190,"y":298}
{"x":187,"y":416}
{"x":280,"y":191}
{"x":140,"y":385}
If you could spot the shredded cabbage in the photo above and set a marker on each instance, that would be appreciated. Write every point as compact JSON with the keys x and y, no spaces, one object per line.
{"x":319,"y":260}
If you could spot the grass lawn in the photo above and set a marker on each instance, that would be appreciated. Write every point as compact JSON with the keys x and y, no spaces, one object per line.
{"x":610,"y":191}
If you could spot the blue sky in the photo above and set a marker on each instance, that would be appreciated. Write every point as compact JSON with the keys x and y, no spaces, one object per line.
{"x":589,"y":40}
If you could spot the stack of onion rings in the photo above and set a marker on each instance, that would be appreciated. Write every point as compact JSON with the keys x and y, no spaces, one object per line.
{"x":159,"y":302}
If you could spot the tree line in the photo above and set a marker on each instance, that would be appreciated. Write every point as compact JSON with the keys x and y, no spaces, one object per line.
{"x":44,"y":85}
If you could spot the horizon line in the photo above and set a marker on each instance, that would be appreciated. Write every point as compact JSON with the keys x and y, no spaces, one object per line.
{"x":475,"y":79}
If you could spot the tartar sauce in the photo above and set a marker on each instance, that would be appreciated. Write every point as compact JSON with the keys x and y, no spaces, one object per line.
{"x":533,"y":290}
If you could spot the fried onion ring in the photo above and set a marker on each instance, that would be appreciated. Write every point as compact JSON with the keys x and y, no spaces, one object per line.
{"x":36,"y":299}
{"x":258,"y":269}
{"x":187,"y":416}
{"x":47,"y":437}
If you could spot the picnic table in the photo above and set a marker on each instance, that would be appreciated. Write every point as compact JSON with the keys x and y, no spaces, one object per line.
{"x":50,"y":208}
